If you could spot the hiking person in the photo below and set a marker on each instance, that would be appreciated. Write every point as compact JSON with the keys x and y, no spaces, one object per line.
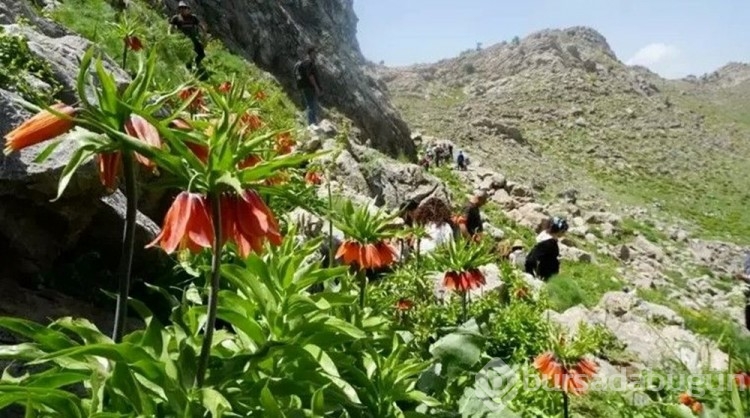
{"x":435,"y":216}
{"x":473,"y":226}
{"x":189,"y":24}
{"x":461,"y":161}
{"x":745,"y":278}
{"x":308,"y":82}
{"x":543,"y":260}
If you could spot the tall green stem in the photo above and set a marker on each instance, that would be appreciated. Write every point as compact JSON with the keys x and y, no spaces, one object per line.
{"x":464,"y":305}
{"x":362,"y":288}
{"x":125,"y":56}
{"x":213,"y":296}
{"x":128,"y":245}
{"x":566,"y":412}
{"x":330,"y":225}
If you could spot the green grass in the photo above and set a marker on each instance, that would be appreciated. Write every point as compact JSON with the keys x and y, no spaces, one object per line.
{"x":581,"y":283}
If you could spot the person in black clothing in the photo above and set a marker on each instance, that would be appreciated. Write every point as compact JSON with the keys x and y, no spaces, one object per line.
{"x":189,"y":24}
{"x":473,"y":216}
{"x":309,"y":83}
{"x":543,"y":260}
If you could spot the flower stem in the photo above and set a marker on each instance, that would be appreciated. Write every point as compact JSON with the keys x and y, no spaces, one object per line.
{"x":464,"y":306}
{"x":566,"y":413}
{"x":362,"y":288}
{"x":213,"y":296}
{"x":330,"y":225}
{"x":125,"y":56}
{"x":128,"y":246}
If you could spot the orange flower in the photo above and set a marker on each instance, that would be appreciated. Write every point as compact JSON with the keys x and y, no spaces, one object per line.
{"x":197,"y":102}
{"x":180,"y":124}
{"x":697,"y":408}
{"x":572,"y":380}
{"x":250,"y":161}
{"x":743,"y":380}
{"x":284,"y":143}
{"x":186,"y":225}
{"x":404,"y":304}
{"x":313,"y":177}
{"x":39,"y":128}
{"x":133,"y":43}
{"x":458,"y":219}
{"x":248,"y":222}
{"x":521,"y":293}
{"x":200,"y":151}
{"x":686,"y":399}
{"x":138,"y":127}
{"x":366,"y":256}
{"x":251,"y":121}
{"x":463,"y":281}
{"x":260,"y":95}
{"x":278,"y":179}
{"x":109,"y":167}
{"x":224,"y":87}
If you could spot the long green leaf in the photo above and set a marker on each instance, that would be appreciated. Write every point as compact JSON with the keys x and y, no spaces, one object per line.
{"x":214,"y":402}
{"x":48,"y":339}
{"x":270,"y":406}
{"x":64,"y":403}
{"x":79,"y":157}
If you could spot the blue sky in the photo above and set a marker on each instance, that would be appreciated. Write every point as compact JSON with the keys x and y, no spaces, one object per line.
{"x":674,"y":38}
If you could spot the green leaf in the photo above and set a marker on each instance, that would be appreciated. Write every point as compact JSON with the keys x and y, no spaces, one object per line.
{"x":458,"y":349}
{"x":246,"y":325}
{"x":193,"y":295}
{"x":271,"y":408}
{"x":64,"y":403}
{"x":25,"y":351}
{"x":123,"y":381}
{"x":47,"y":151}
{"x":53,"y":379}
{"x":318,"y":402}
{"x":187,"y":365}
{"x":79,"y":157}
{"x":228,"y":179}
{"x":81,"y":78}
{"x":48,"y":339}
{"x":214,"y":402}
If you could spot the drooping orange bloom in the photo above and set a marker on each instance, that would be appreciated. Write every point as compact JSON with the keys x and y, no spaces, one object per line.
{"x":260,"y":95}
{"x":743,"y":380}
{"x":571,"y":380}
{"x":366,"y":256}
{"x":200,"y":151}
{"x":686,"y":399}
{"x":697,"y":408}
{"x":197,"y":103}
{"x":463,"y":281}
{"x":109,"y":168}
{"x":248,"y":222}
{"x":39,"y":128}
{"x":284,"y":143}
{"x":180,"y":124}
{"x":404,"y":304}
{"x":251,"y":122}
{"x":138,"y":127}
{"x":133,"y":43}
{"x":187,"y":224}
{"x":250,"y":161}
{"x":313,"y":177}
{"x":224,"y":87}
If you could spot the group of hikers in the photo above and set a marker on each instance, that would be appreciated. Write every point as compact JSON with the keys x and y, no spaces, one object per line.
{"x":443,"y":153}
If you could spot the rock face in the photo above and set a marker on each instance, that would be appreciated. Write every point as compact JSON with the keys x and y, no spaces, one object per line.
{"x":274,"y":33}
{"x":44,"y":238}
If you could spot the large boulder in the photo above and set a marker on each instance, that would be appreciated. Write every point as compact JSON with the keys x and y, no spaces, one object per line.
{"x":274,"y":34}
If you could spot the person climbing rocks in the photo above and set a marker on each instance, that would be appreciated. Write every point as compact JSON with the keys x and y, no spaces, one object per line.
{"x":543,"y":260}
{"x":189,"y":24}
{"x":744,"y":276}
{"x":473,"y":227}
{"x":308,"y":82}
{"x":461,"y":161}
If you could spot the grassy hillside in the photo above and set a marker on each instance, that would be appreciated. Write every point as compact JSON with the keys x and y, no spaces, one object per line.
{"x":588,"y":121}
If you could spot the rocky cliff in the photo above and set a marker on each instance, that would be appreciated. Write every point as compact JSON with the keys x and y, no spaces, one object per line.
{"x":274,"y":33}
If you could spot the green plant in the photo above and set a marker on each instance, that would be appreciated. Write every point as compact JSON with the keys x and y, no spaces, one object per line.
{"x":19,"y":67}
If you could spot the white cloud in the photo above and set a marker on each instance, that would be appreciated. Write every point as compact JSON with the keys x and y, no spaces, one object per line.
{"x":663,"y":59}
{"x":656,"y":54}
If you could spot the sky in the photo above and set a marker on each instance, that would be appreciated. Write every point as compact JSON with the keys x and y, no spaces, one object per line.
{"x":673,"y":38}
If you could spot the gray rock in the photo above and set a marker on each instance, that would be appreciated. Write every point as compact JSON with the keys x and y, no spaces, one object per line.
{"x":273,"y":34}
{"x":648,"y":248}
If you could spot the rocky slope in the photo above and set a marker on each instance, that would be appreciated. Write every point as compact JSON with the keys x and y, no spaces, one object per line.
{"x":273,"y":35}
{"x":560,"y":110}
